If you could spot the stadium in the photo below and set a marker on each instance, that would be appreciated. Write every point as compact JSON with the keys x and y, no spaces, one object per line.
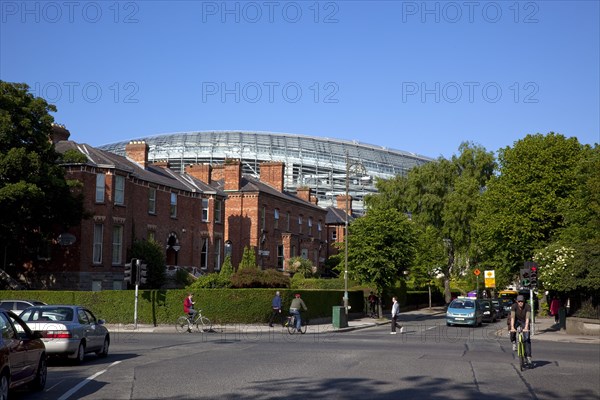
{"x":323,"y":164}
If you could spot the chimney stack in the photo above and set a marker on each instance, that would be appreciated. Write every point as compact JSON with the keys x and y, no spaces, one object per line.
{"x":272,"y":174}
{"x":341,"y":203}
{"x":137,"y":150}
{"x":233,"y":175}
{"x":200,"y":171}
{"x":303,"y":193}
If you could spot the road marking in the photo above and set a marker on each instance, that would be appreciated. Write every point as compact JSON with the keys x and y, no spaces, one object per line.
{"x":85,"y":382}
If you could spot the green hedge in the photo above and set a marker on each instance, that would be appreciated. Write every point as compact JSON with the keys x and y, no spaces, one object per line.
{"x":164,"y":306}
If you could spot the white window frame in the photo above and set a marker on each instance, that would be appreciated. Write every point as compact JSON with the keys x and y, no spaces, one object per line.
{"x":97,"y":249}
{"x":205,"y":210}
{"x":218,"y":211}
{"x":173,"y":208}
{"x":117,"y":245}
{"x":119,"y":190}
{"x":151,"y":200}
{"x":218,"y":260}
{"x":204,"y":253}
{"x":100,"y":187}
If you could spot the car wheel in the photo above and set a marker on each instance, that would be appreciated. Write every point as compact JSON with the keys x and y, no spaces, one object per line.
{"x":39,"y":382}
{"x":4,"y":387}
{"x":80,"y":354}
{"x":104,"y":351}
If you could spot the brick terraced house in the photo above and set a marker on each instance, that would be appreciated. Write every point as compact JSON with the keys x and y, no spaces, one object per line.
{"x":129,"y":199}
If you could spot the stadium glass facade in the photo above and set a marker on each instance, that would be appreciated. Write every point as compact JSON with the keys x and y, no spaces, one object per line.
{"x":317,"y":162}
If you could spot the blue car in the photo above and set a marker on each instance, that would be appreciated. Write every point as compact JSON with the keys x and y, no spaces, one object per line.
{"x":464,"y":311}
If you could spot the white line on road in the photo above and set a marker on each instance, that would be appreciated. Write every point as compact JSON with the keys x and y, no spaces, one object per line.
{"x":85,"y":382}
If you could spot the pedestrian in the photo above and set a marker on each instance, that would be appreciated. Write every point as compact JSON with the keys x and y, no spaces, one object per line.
{"x":275,"y":308}
{"x":372,"y":305}
{"x":395,"y":314}
{"x":554,"y":307}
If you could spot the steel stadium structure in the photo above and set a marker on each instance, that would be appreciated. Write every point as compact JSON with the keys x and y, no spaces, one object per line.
{"x":330,"y":167}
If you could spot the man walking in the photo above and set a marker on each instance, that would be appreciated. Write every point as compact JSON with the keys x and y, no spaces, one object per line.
{"x":276,"y":308}
{"x":395,"y":313}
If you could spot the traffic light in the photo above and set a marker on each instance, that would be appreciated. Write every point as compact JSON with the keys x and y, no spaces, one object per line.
{"x":533,"y":275}
{"x":128,"y":271}
{"x":525,"y":277}
{"x":143,"y":273}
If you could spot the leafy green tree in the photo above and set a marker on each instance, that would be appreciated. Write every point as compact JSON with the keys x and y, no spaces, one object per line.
{"x":226,"y":268}
{"x":248,"y":259}
{"x":152,"y":255}
{"x":442,"y":198}
{"x":521,"y":207}
{"x":35,"y":198}
{"x":381,"y":246}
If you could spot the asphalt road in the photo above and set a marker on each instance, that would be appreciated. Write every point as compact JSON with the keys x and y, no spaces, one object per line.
{"x":429,"y":361}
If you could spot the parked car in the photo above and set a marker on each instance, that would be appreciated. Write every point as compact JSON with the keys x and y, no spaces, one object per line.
{"x":464,"y":311}
{"x":17,"y":306}
{"x":499,"y":306}
{"x":507,"y":306}
{"x":69,"y":330}
{"x":22,"y":355}
{"x":489,"y":312}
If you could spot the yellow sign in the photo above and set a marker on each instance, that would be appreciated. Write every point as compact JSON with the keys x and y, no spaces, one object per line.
{"x":490,"y":279}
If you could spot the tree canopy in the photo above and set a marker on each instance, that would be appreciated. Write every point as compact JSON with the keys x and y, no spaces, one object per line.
{"x":381,"y":246}
{"x":35,"y":197}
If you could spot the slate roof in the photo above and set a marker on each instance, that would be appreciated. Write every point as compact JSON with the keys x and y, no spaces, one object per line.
{"x":154,"y":174}
{"x":337,"y":216}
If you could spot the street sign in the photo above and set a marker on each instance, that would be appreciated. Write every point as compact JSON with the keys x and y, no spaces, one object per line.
{"x":490,"y":278}
{"x":477,"y":272}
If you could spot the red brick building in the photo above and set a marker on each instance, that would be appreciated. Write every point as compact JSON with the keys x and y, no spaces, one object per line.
{"x":260,"y":214}
{"x":128,"y":199}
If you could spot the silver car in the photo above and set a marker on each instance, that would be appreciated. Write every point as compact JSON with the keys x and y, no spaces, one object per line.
{"x":68,"y":330}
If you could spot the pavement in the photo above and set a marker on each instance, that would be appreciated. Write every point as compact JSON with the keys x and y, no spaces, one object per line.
{"x":544,"y":328}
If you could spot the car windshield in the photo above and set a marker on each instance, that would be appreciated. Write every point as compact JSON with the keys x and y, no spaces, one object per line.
{"x":462,"y":304}
{"x":35,"y":314}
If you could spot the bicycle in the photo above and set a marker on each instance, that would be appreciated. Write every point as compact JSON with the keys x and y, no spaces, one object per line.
{"x":185,"y":324}
{"x":521,"y":349}
{"x":291,"y":324}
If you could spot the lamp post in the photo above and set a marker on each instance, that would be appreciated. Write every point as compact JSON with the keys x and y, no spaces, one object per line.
{"x":358,"y":168}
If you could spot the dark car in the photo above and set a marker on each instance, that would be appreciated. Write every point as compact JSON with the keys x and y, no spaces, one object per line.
{"x":22,"y":355}
{"x":499,"y":306}
{"x":489,"y":312}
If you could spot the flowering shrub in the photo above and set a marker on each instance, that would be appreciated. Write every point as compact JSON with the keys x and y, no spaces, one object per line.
{"x":556,"y":268}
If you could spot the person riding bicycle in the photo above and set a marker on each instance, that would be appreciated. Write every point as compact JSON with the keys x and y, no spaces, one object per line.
{"x":188,"y":306}
{"x":295,"y":307}
{"x":520,"y":315}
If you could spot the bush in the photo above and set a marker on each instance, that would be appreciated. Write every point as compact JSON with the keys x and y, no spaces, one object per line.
{"x":211,"y":281}
{"x":315,"y":283}
{"x":255,"y":278}
{"x":183,"y":278}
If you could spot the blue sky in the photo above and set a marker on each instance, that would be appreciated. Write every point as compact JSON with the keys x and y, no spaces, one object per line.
{"x":410,"y":75}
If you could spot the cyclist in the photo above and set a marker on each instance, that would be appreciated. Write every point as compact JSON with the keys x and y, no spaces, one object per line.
{"x":188,"y":306}
{"x":520,"y":315}
{"x":295,"y":307}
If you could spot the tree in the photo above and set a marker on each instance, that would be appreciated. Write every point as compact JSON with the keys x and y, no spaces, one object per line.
{"x":248,"y":259}
{"x":442,"y":198}
{"x":35,"y":198}
{"x":151,"y":254}
{"x":381,"y":246}
{"x":226,"y":268}
{"x":521,"y":207}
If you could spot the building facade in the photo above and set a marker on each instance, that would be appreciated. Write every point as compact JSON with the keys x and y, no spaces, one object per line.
{"x":128,"y":199}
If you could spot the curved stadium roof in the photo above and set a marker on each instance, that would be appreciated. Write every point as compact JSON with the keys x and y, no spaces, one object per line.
{"x":317,"y":162}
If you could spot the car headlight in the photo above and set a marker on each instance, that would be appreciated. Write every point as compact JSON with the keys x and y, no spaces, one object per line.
{"x":470,"y":315}
{"x":486,"y":313}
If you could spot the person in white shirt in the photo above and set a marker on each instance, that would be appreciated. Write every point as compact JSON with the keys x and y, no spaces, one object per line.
{"x":395,"y":313}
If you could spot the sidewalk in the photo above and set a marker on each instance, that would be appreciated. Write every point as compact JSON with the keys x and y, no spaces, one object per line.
{"x":545,"y":328}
